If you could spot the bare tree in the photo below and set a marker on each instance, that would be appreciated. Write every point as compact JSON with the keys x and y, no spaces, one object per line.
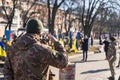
{"x":9,"y":10}
{"x":52,"y":13}
{"x":101,"y":20}
{"x":90,"y":10}
{"x":112,"y":22}
{"x":69,"y":9}
{"x":27,"y":12}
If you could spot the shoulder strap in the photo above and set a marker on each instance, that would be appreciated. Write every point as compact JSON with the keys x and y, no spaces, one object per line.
{"x":40,"y":75}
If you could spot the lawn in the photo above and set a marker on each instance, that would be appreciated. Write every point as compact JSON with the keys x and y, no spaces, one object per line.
{"x":91,"y":49}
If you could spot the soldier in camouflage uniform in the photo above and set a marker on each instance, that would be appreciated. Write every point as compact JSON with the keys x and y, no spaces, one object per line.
{"x":29,"y":59}
{"x":112,"y":57}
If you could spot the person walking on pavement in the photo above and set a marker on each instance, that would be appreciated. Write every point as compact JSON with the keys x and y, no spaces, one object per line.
{"x":29,"y":59}
{"x":111,"y":57}
{"x":85,"y":48}
{"x":106,"y":44}
{"x":118,"y":65}
{"x":100,"y":39}
{"x":92,"y":40}
{"x":118,"y":61}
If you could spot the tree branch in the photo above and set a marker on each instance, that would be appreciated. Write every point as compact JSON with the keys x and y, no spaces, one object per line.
{"x":3,"y":7}
{"x":60,"y":3}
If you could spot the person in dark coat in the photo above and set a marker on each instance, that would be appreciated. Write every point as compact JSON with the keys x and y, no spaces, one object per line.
{"x":106,"y":45}
{"x":85,"y":48}
{"x":91,"y":40}
{"x":100,"y":40}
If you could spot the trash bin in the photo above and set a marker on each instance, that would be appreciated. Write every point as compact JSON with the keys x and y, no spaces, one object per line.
{"x":67,"y":73}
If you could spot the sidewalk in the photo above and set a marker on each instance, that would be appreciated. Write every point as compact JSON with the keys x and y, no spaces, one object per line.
{"x":89,"y":53}
{"x":96,"y":68}
{"x":78,"y":55}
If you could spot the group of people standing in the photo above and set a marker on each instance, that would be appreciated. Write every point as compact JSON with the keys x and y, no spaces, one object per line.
{"x":29,"y":59}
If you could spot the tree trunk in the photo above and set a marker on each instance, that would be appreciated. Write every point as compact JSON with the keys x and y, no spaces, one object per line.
{"x":87,"y":31}
{"x":51,"y":27}
{"x":65,"y":24}
{"x":10,"y":26}
{"x":6,"y":27}
{"x":53,"y":20}
{"x":49,"y":23}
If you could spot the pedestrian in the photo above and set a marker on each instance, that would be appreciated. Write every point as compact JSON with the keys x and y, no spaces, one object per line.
{"x":118,"y":61}
{"x":85,"y":48}
{"x":100,"y":39}
{"x":29,"y":59}
{"x":111,"y":57}
{"x":91,"y":40}
{"x":106,"y":44}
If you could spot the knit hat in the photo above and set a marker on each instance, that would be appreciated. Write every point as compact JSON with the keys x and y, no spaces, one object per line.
{"x":34,"y":26}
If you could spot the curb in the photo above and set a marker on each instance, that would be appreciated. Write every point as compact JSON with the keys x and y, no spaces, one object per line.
{"x":89,"y":53}
{"x":77,"y":55}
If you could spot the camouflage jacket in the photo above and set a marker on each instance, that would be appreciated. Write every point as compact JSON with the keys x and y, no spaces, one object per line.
{"x":112,"y":51}
{"x":39,"y":56}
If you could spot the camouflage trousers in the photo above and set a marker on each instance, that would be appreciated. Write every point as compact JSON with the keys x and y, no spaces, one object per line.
{"x":112,"y":68}
{"x":119,"y":60}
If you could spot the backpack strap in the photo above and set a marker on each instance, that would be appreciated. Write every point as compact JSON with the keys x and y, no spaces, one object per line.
{"x":40,"y":75}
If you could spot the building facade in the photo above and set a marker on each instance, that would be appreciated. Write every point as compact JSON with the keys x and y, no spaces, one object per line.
{"x":40,"y":11}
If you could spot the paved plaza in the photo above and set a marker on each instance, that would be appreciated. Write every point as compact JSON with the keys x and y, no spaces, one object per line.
{"x":96,"y":67}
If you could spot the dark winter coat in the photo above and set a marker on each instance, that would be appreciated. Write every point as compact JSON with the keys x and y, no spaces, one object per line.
{"x":106,"y":45}
{"x":85,"y":45}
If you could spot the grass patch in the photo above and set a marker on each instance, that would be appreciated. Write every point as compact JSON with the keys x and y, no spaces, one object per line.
{"x":73,"y":53}
{"x":91,"y":49}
